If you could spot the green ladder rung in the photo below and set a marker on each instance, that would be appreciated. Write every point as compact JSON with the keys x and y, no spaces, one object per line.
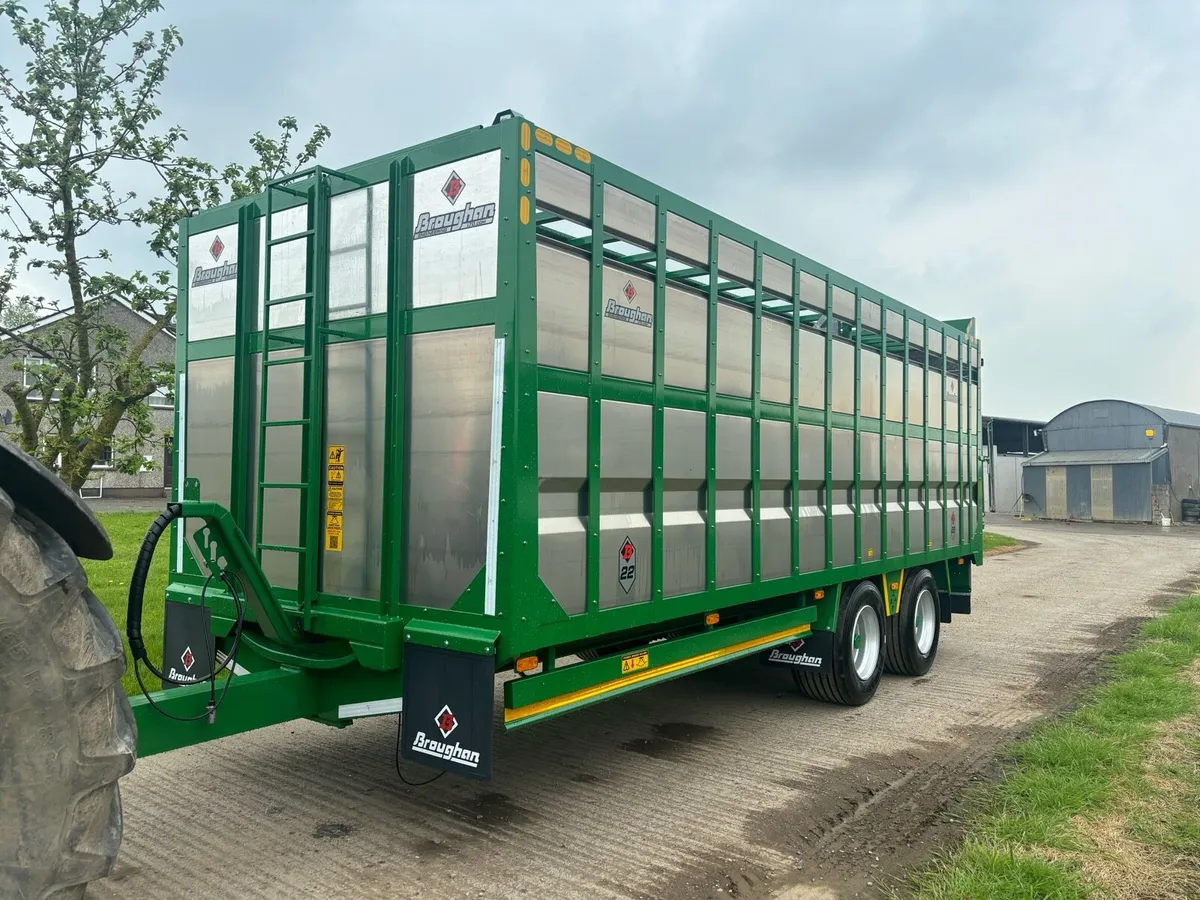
{"x":281,"y":422}
{"x":279,"y":301}
{"x":284,"y":485}
{"x":283,"y":548}
{"x":290,"y":361}
{"x":295,"y":236}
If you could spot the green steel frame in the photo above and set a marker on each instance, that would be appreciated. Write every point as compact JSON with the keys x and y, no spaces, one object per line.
{"x":353,"y":645}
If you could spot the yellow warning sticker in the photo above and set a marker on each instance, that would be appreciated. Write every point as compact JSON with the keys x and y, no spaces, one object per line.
{"x":337,"y":474}
{"x":336,"y":464}
{"x":334,"y":497}
{"x":635,"y":661}
{"x":333,"y":542}
{"x":337,"y":453}
{"x":333,"y":531}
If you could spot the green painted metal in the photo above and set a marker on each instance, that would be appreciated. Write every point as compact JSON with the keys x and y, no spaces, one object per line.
{"x":480,"y":641}
{"x":364,"y":633}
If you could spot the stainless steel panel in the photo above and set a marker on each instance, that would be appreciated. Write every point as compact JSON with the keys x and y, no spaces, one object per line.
{"x":562,"y":308}
{"x":686,"y":339}
{"x":735,"y":260}
{"x":811,"y":486}
{"x":686,"y":240}
{"x":951,"y":403}
{"x":872,"y":318}
{"x":626,"y":434}
{"x":870,"y":384}
{"x":449,"y":440}
{"x":1102,"y":493}
{"x":895,"y":389}
{"x":812,"y":292}
{"x":935,"y":399}
{"x":288,"y":266}
{"x":812,"y":369}
{"x":952,"y":349}
{"x":895,"y":326}
{"x":777,"y":277}
{"x":456,"y":232}
{"x":894,"y":495}
{"x":281,"y":525}
{"x":684,"y":496}
{"x":628,"y":216}
{"x":843,"y":303}
{"x":355,"y":403}
{"x":627,"y":332}
{"x":953,"y":496}
{"x":916,"y":395}
{"x":973,"y":416}
{"x":562,"y":189}
{"x":916,"y":495}
{"x":735,"y":348}
{"x":843,"y":377}
{"x":358,"y":252}
{"x":212,"y":260}
{"x":775,"y":498}
{"x":935,"y":345}
{"x":562,"y":498}
{"x":871,"y":492}
{"x":842,"y":501}
{"x":916,"y":333}
{"x":284,"y":444}
{"x":733,"y":512}
{"x":937,"y":497}
{"x":775,"y":379}
{"x":208,"y":451}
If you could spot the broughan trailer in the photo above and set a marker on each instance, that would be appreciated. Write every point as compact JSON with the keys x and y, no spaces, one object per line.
{"x":495,"y":405}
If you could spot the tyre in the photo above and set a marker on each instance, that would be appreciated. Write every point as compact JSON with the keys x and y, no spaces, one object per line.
{"x":858,"y":648}
{"x":67,"y":733}
{"x":913,"y":632}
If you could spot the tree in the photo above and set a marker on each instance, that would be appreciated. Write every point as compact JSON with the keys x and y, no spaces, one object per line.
{"x":84,"y":112}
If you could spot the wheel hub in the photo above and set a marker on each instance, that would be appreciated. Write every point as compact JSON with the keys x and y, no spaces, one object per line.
{"x":866,"y":641}
{"x":924,"y":622}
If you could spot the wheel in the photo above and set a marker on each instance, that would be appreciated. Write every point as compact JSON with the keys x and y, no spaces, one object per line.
{"x":858,"y":648}
{"x":67,"y":733}
{"x":913,"y":632}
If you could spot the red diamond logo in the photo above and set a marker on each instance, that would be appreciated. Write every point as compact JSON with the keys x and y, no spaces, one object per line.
{"x":217,"y":248}
{"x":629,"y":291}
{"x":445,"y":721}
{"x":187,"y":659}
{"x":453,"y":187}
{"x":627,"y":550}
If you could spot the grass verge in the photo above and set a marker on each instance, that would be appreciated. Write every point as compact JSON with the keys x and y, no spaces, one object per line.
{"x":1102,"y":802}
{"x":109,"y":581}
{"x":993,"y":541}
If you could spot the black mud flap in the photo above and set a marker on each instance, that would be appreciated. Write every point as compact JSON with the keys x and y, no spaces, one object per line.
{"x":448,"y":704}
{"x":960,"y":604}
{"x":189,"y":649}
{"x":812,"y":651}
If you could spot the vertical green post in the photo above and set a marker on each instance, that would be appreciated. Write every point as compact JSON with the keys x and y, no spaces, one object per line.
{"x":179,"y":460}
{"x":755,"y":425}
{"x":710,"y":417}
{"x":595,"y":355}
{"x":858,"y":535}
{"x":942,"y":490}
{"x":904,"y":449}
{"x":829,"y":326}
{"x":925,"y":431}
{"x":660,"y":354}
{"x":883,"y":433}
{"x":247,"y":295}
{"x":795,"y":452}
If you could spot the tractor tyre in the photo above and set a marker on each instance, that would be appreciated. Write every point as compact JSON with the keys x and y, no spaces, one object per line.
{"x":67,"y":733}
{"x":914,"y":631}
{"x":858,"y":650}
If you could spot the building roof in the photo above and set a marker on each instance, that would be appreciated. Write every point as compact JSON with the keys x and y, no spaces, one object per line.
{"x":1095,"y":457}
{"x":61,"y":314}
{"x":1174,"y":416}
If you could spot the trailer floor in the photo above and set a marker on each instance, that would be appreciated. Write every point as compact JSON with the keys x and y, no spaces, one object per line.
{"x":723,"y":784}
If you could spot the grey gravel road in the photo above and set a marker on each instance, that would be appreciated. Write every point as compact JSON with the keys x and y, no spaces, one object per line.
{"x":725,"y":783}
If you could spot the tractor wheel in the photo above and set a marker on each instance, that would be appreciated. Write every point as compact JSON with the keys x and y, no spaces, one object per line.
{"x":913,"y":632}
{"x":858,"y":648}
{"x":67,"y":733}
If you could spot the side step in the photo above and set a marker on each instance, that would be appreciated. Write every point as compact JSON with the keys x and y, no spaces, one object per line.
{"x":534,"y":698}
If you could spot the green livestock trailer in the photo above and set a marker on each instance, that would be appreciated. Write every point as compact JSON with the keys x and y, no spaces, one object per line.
{"x":494,"y":405}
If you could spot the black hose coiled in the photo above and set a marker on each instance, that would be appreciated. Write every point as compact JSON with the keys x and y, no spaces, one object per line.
{"x":137,"y":584}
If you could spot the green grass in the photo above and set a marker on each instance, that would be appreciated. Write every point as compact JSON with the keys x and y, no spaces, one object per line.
{"x":991,"y":541}
{"x":109,"y":580}
{"x":1101,"y":800}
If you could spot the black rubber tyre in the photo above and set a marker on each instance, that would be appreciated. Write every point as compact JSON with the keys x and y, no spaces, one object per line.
{"x":904,"y":654}
{"x":67,"y":733}
{"x":843,"y":685}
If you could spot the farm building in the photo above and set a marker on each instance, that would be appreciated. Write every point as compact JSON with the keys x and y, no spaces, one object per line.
{"x":1007,"y":444}
{"x":1114,"y":461}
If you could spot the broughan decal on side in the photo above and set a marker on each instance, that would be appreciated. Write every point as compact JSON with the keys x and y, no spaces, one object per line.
{"x":429,"y":225}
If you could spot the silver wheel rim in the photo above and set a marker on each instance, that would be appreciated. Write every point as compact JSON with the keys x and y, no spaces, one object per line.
{"x":865,"y":642}
{"x":924,"y":621}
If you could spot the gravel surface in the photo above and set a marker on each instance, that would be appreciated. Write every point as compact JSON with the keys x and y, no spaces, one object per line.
{"x":725,"y":783}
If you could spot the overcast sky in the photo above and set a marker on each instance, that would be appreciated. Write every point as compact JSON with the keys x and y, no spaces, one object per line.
{"x":1035,"y":165}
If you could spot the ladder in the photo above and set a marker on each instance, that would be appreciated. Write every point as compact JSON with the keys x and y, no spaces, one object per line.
{"x":313,"y":187}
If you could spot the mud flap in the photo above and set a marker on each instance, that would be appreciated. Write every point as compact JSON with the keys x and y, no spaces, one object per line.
{"x":813,"y":652}
{"x":189,"y":649}
{"x":448,"y":705}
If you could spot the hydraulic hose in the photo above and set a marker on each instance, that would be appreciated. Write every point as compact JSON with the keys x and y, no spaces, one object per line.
{"x":137,"y":584}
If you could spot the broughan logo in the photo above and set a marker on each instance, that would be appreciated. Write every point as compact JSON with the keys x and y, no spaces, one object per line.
{"x":443,"y":750}
{"x":635,"y":315}
{"x":796,"y":658}
{"x":213,"y":275}
{"x":429,"y":225}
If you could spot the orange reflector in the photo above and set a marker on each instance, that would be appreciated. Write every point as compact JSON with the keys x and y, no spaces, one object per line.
{"x":527,"y":663}
{"x":525,"y":171}
{"x":961,"y":560}
{"x":524,"y":135}
{"x":524,"y":210}
{"x":712,"y":618}
{"x":819,"y":594}
{"x":544,"y":137}
{"x":582,"y":155}
{"x":562,"y":145}
{"x":895,"y":586}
